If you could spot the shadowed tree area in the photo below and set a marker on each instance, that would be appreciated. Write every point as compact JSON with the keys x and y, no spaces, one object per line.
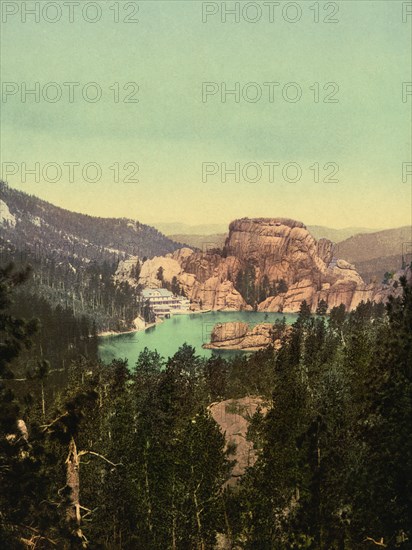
{"x":128,"y":456}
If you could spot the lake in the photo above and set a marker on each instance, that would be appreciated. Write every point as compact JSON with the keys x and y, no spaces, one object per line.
{"x":193,"y":329}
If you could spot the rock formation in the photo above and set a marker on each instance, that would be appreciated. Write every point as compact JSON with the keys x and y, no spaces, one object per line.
{"x":237,"y":335}
{"x":233,"y":417}
{"x":274,"y":250}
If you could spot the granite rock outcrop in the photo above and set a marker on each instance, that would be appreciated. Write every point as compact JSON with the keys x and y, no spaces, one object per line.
{"x":274,"y":250}
{"x":233,"y":417}
{"x":239,"y":336}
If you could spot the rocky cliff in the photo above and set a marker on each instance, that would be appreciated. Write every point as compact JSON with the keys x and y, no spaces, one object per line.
{"x":270,"y":264}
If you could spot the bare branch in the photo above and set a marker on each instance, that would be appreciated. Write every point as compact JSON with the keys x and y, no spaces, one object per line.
{"x":377,"y":542}
{"x":47,"y":426}
{"x":25,"y":379}
{"x":84,"y":508}
{"x":88,"y":512}
{"x":82,"y":453}
{"x":38,"y":536}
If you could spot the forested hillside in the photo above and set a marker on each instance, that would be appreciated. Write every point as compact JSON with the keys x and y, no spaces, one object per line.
{"x":128,"y":456}
{"x":85,"y":290}
{"x":74,"y":256}
{"x":38,"y":227}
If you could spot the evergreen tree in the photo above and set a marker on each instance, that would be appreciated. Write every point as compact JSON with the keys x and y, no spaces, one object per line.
{"x":383,"y":496}
{"x":22,"y":483}
{"x":175,"y":287}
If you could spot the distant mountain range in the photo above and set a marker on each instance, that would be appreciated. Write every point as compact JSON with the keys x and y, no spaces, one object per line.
{"x":37,"y":227}
{"x":202,"y":242}
{"x":186,"y":229}
{"x":318,"y":231}
{"x":337,"y":235}
{"x":27,"y":222}
{"x":374,"y":254}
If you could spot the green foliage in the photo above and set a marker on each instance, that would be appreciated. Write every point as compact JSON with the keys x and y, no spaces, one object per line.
{"x":159,"y":274}
{"x":282,"y":287}
{"x":388,"y":276}
{"x":175,"y":287}
{"x":322,"y":308}
{"x":246,"y":284}
{"x":23,"y":482}
{"x":333,"y":451}
{"x":254,"y":292}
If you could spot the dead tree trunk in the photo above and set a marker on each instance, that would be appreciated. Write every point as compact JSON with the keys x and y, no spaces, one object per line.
{"x":198,"y":512}
{"x":73,"y":515}
{"x":73,"y":506}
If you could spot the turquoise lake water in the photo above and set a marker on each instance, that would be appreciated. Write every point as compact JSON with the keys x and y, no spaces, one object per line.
{"x":167,"y":337}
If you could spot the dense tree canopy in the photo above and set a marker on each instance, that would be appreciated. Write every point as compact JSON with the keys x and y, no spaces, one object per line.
{"x":129,"y":456}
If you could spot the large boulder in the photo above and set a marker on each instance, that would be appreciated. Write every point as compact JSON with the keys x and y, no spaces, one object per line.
{"x":227,"y":335}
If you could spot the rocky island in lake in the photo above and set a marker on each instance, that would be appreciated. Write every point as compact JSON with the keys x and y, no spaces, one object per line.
{"x":240,"y":336}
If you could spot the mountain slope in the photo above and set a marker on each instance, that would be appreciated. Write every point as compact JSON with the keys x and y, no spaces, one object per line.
{"x":209,"y":230}
{"x":27,"y":222}
{"x":376,"y":253}
{"x":74,"y":257}
{"x":186,"y":229}
{"x":202,"y":242}
{"x":336,"y":235}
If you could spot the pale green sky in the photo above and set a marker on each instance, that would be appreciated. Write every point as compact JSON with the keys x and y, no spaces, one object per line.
{"x":170,"y":132}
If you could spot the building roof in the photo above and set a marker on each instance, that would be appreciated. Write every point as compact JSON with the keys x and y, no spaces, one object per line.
{"x":156,"y":292}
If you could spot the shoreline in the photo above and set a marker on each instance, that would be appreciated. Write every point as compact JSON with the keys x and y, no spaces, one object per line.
{"x":131,"y":331}
{"x":107,"y":333}
{"x":147,"y":326}
{"x":223,"y":348}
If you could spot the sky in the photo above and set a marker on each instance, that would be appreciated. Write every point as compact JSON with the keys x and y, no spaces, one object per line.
{"x":318,"y":127}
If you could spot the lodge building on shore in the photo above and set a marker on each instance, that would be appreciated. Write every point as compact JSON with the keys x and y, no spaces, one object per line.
{"x":163,"y":302}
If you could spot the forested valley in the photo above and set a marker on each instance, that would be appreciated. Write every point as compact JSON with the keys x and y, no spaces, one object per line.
{"x":127,"y":456}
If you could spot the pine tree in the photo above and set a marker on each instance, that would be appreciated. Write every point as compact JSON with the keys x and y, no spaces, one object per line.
{"x":384,"y":498}
{"x":22,"y":484}
{"x":201,"y":471}
{"x":175,"y":287}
